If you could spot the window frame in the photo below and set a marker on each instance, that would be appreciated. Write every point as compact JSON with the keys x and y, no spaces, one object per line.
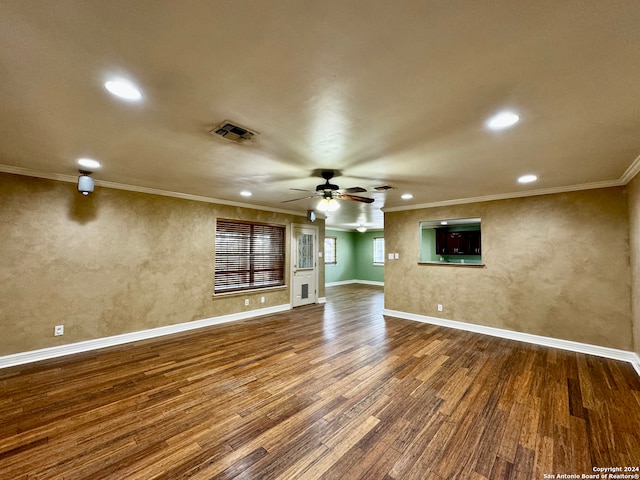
{"x":242,"y":251}
{"x":335,"y":250}
{"x":374,"y":251}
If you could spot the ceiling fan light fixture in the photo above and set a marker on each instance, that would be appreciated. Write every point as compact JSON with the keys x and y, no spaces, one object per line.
{"x":361,"y":228}
{"x":328,"y":205}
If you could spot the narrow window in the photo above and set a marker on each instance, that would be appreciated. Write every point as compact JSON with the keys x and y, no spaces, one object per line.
{"x":330,"y":252}
{"x":378,"y":251}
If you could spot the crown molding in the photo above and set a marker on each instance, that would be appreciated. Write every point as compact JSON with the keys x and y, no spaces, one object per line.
{"x":510,"y":195}
{"x":151,"y":191}
{"x":631,"y":172}
{"x":27,"y":172}
{"x":628,"y":175}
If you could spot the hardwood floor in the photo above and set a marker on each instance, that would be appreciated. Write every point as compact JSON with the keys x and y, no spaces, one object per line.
{"x":325,"y":391}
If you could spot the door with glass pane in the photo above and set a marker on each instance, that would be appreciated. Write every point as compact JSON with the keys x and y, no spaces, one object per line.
{"x":304,"y":265}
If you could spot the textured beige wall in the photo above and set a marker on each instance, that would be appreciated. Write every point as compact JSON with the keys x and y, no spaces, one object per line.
{"x":633,"y":192}
{"x":110,"y":263}
{"x":556,"y":265}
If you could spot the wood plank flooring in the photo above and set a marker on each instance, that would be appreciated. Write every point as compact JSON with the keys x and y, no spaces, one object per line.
{"x":333,"y":391}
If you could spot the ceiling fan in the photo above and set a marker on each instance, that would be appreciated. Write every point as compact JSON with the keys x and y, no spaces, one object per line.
{"x":331,"y":192}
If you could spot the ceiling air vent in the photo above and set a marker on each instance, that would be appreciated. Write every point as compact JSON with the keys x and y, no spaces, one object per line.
{"x":233,"y":132}
{"x":383,"y":188}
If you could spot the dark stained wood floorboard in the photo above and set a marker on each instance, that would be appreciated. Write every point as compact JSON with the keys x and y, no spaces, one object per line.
{"x":333,"y":391}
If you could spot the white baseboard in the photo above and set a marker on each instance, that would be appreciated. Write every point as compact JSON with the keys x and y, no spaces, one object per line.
{"x":369,"y":282}
{"x":636,"y":363}
{"x":341,"y":282}
{"x":350,"y":282}
{"x":322,"y":300}
{"x":62,"y":350}
{"x":589,"y":349}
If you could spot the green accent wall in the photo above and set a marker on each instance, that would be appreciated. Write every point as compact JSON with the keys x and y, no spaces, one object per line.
{"x":354,"y":257}
{"x":345,"y":267}
{"x":365,"y":269}
{"x":428,"y":247}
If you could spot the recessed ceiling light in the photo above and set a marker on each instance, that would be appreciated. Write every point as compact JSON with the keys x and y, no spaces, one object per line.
{"x":246,"y":193}
{"x":123,"y":89}
{"x":406,"y":196}
{"x":444,"y":222}
{"x":527,"y":178}
{"x":503,"y":120}
{"x":88,"y":163}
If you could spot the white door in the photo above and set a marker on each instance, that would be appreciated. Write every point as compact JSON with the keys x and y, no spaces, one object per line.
{"x":304,"y":264}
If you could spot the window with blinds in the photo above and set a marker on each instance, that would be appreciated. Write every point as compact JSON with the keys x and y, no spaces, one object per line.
{"x":249,"y":256}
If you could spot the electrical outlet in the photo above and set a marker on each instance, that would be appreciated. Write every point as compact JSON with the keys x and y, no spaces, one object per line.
{"x":58,"y":330}
{"x":261,"y":299}
{"x":439,"y":307}
{"x":246,"y":302}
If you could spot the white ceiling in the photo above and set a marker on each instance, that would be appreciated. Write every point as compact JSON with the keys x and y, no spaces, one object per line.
{"x":389,"y":93}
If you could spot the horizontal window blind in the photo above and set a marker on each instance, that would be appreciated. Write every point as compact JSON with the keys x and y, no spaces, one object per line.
{"x":248,"y":256}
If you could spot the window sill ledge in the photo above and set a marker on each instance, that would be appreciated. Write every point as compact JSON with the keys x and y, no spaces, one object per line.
{"x":236,"y":293}
{"x":452,"y":264}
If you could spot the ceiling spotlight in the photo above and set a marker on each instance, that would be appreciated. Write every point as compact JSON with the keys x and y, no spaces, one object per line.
{"x":89,"y":163}
{"x":85,"y":183}
{"x":527,"y":178}
{"x":124,"y":89}
{"x":246,"y":193}
{"x":406,"y":196}
{"x":328,"y":205}
{"x":503,"y":120}
{"x":361,"y":228}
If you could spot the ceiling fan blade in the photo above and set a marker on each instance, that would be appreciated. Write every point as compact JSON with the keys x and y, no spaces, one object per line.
{"x":355,"y":198}
{"x":301,"y":190}
{"x":355,"y":190}
{"x":296,"y":199}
